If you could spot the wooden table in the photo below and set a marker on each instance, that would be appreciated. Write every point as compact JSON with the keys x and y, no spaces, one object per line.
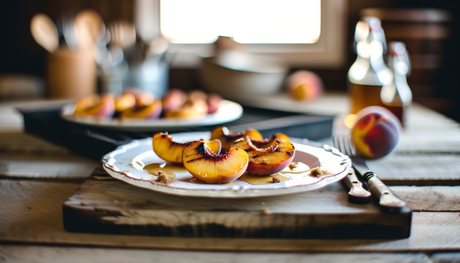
{"x":37,"y":177}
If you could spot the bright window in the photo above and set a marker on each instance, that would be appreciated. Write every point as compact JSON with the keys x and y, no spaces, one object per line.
{"x":302,"y":33}
{"x":247,"y":21}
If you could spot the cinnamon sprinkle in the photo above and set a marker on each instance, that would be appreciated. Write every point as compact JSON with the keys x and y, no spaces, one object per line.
{"x":318,"y":172}
{"x":162,"y":177}
{"x":276,"y":179}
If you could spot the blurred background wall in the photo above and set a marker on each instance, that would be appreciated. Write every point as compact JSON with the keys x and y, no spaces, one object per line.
{"x":435,"y":58}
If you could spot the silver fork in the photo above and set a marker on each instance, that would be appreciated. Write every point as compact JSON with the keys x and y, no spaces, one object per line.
{"x":357,"y":193}
{"x":389,"y":202}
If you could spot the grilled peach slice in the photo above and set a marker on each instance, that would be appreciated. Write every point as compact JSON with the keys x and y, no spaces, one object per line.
{"x":215,"y":146}
{"x":124,"y":102}
{"x":143,"y":98}
{"x":166,"y":148}
{"x":171,"y":151}
{"x":173,"y":100}
{"x":189,"y":109}
{"x":197,"y":95}
{"x":150,"y":111}
{"x":209,"y":167}
{"x":266,"y":157}
{"x":103,"y":106}
{"x":227,"y":138}
{"x":279,"y":136}
{"x":214,"y":101}
{"x":86,"y":102}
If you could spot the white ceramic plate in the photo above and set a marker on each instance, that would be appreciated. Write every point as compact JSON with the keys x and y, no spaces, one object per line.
{"x":126,"y":163}
{"x":228,"y":111}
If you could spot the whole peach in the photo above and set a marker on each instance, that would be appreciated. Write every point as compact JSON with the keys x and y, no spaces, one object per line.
{"x":304,"y":85}
{"x":375,"y":133}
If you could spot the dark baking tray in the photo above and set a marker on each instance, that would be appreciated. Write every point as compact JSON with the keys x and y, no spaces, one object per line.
{"x":95,"y":142}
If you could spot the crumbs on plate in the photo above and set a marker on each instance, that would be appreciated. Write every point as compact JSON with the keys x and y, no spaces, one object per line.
{"x":318,"y":172}
{"x":162,"y":177}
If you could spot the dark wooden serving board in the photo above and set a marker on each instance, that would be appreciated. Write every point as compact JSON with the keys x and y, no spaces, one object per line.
{"x":106,"y":205}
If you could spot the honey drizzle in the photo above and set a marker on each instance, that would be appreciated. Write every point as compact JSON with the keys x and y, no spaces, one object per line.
{"x":167,"y":168}
{"x":262,"y":179}
{"x":170,"y":170}
{"x":301,"y":168}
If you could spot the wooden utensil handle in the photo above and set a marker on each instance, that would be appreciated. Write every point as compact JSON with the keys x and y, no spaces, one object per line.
{"x":388,"y":201}
{"x":357,"y":193}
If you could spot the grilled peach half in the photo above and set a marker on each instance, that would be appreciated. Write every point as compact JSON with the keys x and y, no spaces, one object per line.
{"x":149,"y":111}
{"x":266,"y":157}
{"x":171,"y":151}
{"x":94,"y":105}
{"x":142,"y":98}
{"x":209,"y":167}
{"x":214,"y":101}
{"x":279,"y":136}
{"x":191,"y":108}
{"x":227,"y":138}
{"x":124,"y":102}
{"x":173,"y":100}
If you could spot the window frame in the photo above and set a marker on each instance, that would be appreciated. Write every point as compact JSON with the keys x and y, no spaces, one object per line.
{"x":328,"y":52}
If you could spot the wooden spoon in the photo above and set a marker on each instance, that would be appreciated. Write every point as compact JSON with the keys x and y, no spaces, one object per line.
{"x":90,"y":28}
{"x":44,"y":32}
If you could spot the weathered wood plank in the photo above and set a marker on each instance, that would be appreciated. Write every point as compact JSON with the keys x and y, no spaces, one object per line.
{"x":15,"y":253}
{"x":430,"y":198}
{"x":24,"y":143}
{"x":452,"y":257}
{"x":59,"y":167}
{"x":32,"y":214}
{"x":112,"y":206}
{"x":423,"y":169}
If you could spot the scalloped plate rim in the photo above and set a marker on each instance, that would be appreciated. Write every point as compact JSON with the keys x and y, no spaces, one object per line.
{"x":224,"y":192}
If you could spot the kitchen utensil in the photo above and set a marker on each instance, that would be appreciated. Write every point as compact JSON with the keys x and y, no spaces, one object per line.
{"x":357,"y":193}
{"x":71,"y":74}
{"x":389,"y":202}
{"x":122,"y":33}
{"x":68,"y":30}
{"x":90,"y":28}
{"x":44,"y":32}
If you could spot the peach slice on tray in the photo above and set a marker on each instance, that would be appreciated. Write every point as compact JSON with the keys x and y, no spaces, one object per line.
{"x":142,"y":98}
{"x":173,"y":99}
{"x":150,"y":111}
{"x":227,"y":138}
{"x":209,"y":167}
{"x":214,"y":101}
{"x":266,"y":157}
{"x":197,"y":95}
{"x":171,"y":151}
{"x":189,"y":109}
{"x":124,"y":102}
{"x":94,"y":105}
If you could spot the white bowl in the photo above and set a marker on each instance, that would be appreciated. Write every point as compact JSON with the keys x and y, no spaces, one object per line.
{"x":248,"y":75}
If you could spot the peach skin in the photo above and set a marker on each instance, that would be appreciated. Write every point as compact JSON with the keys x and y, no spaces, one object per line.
{"x":375,"y":133}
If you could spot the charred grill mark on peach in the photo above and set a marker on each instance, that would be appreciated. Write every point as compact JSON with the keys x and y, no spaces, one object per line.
{"x":266,"y":157}
{"x":168,"y":149}
{"x":200,"y":148}
{"x":196,"y":159}
{"x":207,"y":166}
